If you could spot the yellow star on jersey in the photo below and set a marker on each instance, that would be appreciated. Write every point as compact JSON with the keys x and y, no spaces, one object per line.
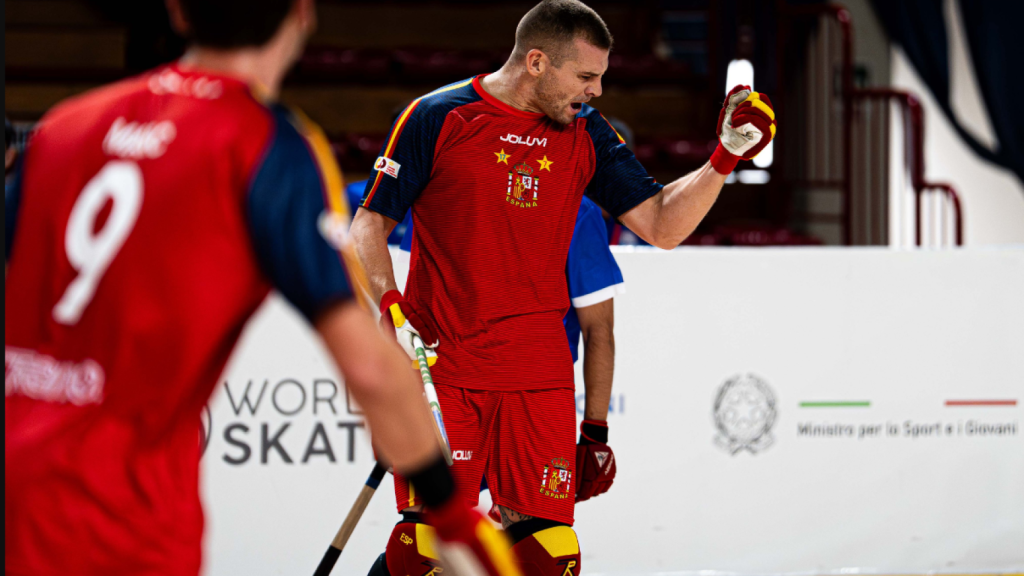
{"x":502,"y":157}
{"x":545,"y":164}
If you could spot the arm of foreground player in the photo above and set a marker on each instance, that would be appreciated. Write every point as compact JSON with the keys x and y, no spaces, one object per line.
{"x":597,"y":325}
{"x":668,"y":217}
{"x":377,"y":372}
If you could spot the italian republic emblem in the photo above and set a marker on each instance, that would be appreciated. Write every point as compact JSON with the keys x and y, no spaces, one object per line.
{"x":522,"y":186}
{"x":744,"y":411}
{"x":557,"y":480}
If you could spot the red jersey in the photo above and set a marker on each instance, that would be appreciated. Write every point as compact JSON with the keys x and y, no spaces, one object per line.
{"x":494,"y":193}
{"x":152,"y":219}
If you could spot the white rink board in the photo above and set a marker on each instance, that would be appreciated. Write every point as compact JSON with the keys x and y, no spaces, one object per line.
{"x":903,"y":331}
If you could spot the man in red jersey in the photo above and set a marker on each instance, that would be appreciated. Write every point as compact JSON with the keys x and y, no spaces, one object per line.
{"x":153,"y":216}
{"x":494,"y":169}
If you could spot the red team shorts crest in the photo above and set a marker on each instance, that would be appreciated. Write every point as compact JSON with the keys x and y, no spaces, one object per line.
{"x":522,"y":441}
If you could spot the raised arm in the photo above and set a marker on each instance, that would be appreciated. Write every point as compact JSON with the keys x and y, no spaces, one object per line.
{"x":668,"y":217}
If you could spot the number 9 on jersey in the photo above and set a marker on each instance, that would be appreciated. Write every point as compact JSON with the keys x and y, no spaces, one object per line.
{"x":88,"y":250}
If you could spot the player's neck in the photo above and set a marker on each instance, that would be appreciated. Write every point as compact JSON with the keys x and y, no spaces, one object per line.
{"x":260,"y":68}
{"x":512,"y":87}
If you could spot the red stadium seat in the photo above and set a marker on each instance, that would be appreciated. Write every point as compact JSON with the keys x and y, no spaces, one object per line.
{"x":356,"y":152}
{"x":333,"y":63}
{"x":428,"y":65}
{"x":647,"y":69}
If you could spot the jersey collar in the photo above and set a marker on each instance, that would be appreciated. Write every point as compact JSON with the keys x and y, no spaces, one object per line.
{"x":499,"y":104}
{"x":227,"y":81}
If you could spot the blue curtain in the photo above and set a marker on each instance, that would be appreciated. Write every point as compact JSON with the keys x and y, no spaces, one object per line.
{"x":919,"y":27}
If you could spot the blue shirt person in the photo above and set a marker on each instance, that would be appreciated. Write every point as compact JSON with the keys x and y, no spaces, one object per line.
{"x":591,"y":271}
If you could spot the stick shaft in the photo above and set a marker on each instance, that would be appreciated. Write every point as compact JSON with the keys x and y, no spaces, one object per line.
{"x":432,"y":400}
{"x":349,"y":525}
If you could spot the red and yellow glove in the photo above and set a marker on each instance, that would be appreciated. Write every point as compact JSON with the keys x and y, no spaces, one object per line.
{"x":468,"y":543}
{"x":746,"y":125}
{"x":595,"y":461}
{"x":399,"y":317}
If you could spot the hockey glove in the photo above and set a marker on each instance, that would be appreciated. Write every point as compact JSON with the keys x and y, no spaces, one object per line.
{"x":746,"y":125}
{"x":468,"y":544}
{"x":595,"y":461}
{"x":396,"y":313}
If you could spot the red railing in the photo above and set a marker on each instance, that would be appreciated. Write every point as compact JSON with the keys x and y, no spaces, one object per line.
{"x":913,"y":143}
{"x":957,"y":215}
{"x":854,"y":101}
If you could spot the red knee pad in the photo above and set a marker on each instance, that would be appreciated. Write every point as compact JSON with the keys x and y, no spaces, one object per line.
{"x":411,"y":549}
{"x":551,"y":552}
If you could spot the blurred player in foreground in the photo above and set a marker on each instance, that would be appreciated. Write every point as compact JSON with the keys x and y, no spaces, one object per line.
{"x":153,"y":218}
{"x":494,"y":169}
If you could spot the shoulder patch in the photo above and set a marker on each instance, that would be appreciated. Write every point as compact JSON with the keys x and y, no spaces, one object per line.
{"x":387,"y":166}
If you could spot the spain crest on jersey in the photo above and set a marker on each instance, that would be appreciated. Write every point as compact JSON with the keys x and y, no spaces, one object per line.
{"x":522,"y":186}
{"x":557,"y":480}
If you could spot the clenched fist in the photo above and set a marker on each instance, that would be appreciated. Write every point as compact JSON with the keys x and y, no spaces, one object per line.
{"x":746,"y":125}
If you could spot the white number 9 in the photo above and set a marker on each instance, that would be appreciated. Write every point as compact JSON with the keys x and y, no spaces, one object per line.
{"x":89,"y":252}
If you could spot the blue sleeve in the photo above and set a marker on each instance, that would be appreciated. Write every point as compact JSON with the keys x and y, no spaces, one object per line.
{"x":294,"y":202}
{"x":591,"y":271}
{"x":12,"y":203}
{"x":354,"y":195}
{"x":620,"y":183}
{"x":406,"y":225}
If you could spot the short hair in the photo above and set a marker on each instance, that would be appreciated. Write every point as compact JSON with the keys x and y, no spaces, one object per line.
{"x":553,"y":25}
{"x":234,"y":23}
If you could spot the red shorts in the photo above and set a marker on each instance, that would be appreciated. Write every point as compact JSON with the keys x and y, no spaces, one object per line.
{"x":522,"y":441}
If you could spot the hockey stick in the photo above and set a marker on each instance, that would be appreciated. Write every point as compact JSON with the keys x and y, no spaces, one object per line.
{"x":431,"y":394}
{"x":428,"y":383}
{"x":349,"y":525}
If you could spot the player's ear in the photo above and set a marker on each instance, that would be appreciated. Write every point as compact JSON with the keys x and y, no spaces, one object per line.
{"x":178,"y":20}
{"x":536,"y":62}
